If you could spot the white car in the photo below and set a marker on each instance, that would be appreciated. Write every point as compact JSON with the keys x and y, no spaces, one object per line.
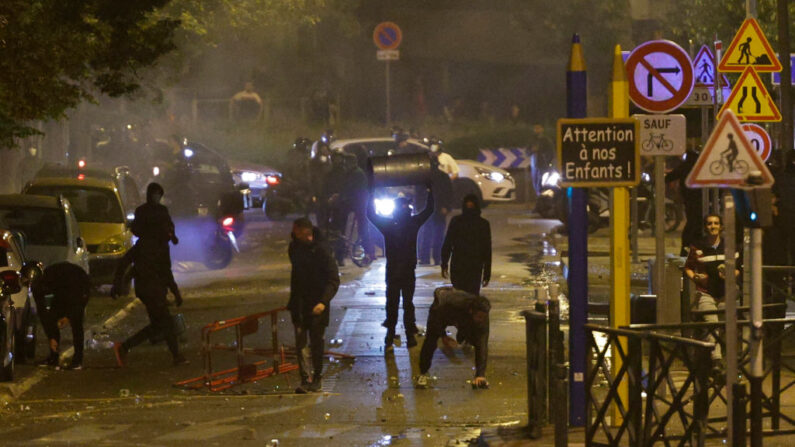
{"x":48,"y":226}
{"x":17,"y":322}
{"x":489,"y":183}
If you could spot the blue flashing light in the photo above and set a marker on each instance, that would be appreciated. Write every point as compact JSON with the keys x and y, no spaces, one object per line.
{"x":754,"y":216}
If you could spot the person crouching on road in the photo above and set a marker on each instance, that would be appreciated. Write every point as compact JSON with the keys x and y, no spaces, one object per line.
{"x":400,"y":242}
{"x":62,"y":292}
{"x":314,"y":280}
{"x":468,"y":241}
{"x":470,"y":315}
{"x":152,"y":281}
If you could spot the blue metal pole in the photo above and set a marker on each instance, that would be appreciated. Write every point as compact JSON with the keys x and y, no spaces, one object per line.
{"x":576,"y":107}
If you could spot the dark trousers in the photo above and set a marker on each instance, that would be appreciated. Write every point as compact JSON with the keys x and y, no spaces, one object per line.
{"x":433,"y":332}
{"x":692,"y":230}
{"x":75,"y":314}
{"x":431,"y":239}
{"x":363,"y":230}
{"x":467,"y":283}
{"x":394,"y":288}
{"x":338,"y":222}
{"x":316,"y":333}
{"x":160,"y":323}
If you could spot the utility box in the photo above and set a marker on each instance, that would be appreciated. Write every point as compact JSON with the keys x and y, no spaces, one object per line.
{"x":642,"y":309}
{"x":669,"y":303}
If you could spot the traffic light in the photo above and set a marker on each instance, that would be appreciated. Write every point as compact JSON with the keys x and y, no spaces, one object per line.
{"x":754,"y":206}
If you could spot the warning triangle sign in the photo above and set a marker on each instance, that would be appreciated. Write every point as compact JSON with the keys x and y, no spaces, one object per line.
{"x":704,"y":69}
{"x":727,"y":158}
{"x":750,"y":101}
{"x":749,"y":48}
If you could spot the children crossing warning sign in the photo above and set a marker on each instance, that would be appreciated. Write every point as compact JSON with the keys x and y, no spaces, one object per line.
{"x":749,"y":48}
{"x":727,"y":158}
{"x":750,"y":101}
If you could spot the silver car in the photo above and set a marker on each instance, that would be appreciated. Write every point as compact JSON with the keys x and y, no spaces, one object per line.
{"x":48,"y":228}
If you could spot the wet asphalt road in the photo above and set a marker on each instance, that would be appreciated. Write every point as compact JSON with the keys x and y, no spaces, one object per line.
{"x":369,"y":401}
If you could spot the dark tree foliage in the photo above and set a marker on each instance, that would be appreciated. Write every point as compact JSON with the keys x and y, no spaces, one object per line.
{"x":56,"y":53}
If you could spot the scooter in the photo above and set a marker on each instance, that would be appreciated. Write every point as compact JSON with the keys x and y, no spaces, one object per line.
{"x":284,"y":198}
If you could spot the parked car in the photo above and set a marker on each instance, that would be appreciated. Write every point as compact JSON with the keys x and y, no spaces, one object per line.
{"x":17,"y":316}
{"x":48,"y":227}
{"x":253,"y":181}
{"x":489,"y":183}
{"x":101,"y":217}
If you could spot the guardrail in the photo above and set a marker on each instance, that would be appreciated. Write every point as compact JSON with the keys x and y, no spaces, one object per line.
{"x":265,"y":324}
{"x":656,"y":407}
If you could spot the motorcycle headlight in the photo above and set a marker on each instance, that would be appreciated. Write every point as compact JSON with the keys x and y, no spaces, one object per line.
{"x":384,"y":207}
{"x":494,"y":176}
{"x":249,"y":177}
{"x":111,"y":245}
{"x":550,"y":178}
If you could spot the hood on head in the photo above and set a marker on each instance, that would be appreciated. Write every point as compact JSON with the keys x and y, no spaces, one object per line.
{"x":470,"y":198}
{"x":152,"y":190}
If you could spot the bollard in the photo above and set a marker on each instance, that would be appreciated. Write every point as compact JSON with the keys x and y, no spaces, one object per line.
{"x":536,"y":349}
{"x":558,"y":373}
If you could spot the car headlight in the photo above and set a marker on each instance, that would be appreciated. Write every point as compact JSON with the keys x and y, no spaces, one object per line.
{"x":112,"y":245}
{"x":494,"y":176}
{"x":384,"y":207}
{"x":550,"y":178}
{"x":248,"y":176}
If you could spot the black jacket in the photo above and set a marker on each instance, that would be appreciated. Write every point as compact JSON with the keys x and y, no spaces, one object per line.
{"x":400,"y":238}
{"x":451,"y":307}
{"x":468,"y":241}
{"x":68,"y":283}
{"x":314,"y":279}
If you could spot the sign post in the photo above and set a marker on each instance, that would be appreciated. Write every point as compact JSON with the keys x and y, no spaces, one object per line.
{"x":387,"y":37}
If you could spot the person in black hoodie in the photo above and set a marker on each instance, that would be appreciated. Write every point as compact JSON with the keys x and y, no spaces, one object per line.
{"x":400,"y":240}
{"x":470,"y":315}
{"x":691,"y":197}
{"x":314,"y":281}
{"x":468,"y":240}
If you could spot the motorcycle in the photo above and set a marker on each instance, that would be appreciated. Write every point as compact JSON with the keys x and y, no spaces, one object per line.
{"x":284,"y":198}
{"x":646,"y":208}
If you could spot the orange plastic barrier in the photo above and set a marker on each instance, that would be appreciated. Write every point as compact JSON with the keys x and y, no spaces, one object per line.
{"x":246,"y":371}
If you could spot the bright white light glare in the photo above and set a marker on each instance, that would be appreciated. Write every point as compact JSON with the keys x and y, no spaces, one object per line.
{"x":228,"y":221}
{"x":496,"y":177}
{"x":129,"y":126}
{"x":646,"y":177}
{"x":384,"y":207}
{"x":550,"y":178}
{"x":248,"y":176}
{"x":188,"y":152}
{"x":130,"y":216}
{"x":155,"y":171}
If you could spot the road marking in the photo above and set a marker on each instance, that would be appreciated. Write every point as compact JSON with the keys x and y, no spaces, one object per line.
{"x":316,"y":431}
{"x":84,"y":433}
{"x":202,"y":431}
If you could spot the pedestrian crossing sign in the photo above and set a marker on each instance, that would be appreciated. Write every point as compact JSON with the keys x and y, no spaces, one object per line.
{"x":749,"y":48}
{"x":750,"y":99}
{"x":704,"y":69}
{"x":727,"y":158}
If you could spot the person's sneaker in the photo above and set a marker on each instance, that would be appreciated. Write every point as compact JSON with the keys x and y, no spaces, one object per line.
{"x":180,"y":360}
{"x":410,"y":341}
{"x":48,"y":362}
{"x":316,"y":385}
{"x":121,"y":354}
{"x":423,"y":381}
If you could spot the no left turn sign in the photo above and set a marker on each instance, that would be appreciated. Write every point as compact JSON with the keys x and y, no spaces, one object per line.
{"x":660,"y":76}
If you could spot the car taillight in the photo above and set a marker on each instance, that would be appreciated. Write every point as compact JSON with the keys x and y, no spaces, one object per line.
{"x":228,"y":222}
{"x":81,"y":176}
{"x":272,"y":179}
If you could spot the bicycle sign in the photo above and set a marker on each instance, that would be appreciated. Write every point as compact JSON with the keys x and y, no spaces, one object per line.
{"x":728,"y":158}
{"x":661,"y":134}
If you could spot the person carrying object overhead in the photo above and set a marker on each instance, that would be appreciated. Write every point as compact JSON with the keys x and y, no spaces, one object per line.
{"x":468,"y":243}
{"x":400,"y":245}
{"x":470,"y":315}
{"x":314,"y":280}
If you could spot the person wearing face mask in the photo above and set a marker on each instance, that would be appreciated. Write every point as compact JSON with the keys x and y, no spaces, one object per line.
{"x":468,"y":243}
{"x":314,"y":280}
{"x":400,"y":240}
{"x":705,"y":266}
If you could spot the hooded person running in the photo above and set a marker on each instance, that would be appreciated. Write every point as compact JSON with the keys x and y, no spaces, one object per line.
{"x":468,"y":242}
